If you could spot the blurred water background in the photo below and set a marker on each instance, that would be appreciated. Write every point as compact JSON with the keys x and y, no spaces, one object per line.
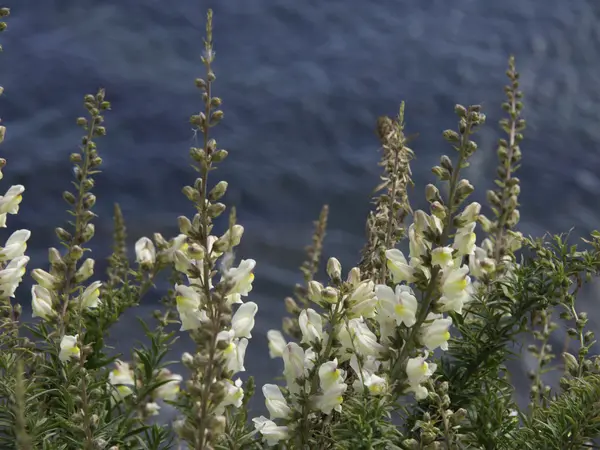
{"x":303,"y":83}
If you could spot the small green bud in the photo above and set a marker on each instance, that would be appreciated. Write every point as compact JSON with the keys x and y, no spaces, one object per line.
{"x":89,"y":200}
{"x":291,"y":306}
{"x":330,"y":295}
{"x":460,"y":111}
{"x":432,"y":193}
{"x":219,"y":156}
{"x":218,"y":191}
{"x":334,"y":269}
{"x":198,"y":154}
{"x":216,"y":117}
{"x":451,"y":136}
{"x":200,"y":83}
{"x":216,"y":209}
{"x":191,"y":194}
{"x":441,"y":173}
{"x":63,"y":234}
{"x":88,"y":232}
{"x":76,"y":253}
{"x":69,"y":198}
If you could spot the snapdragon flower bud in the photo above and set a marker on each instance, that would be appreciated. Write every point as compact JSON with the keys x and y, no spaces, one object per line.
{"x":334,"y":269}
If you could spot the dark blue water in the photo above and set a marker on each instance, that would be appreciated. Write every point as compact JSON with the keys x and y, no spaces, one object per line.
{"x":303,"y":84}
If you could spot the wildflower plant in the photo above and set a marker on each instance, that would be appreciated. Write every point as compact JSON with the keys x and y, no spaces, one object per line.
{"x":407,"y":350}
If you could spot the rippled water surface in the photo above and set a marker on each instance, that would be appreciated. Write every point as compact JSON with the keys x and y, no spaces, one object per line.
{"x":303,"y":84}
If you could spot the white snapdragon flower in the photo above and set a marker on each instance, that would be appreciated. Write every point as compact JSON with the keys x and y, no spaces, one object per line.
{"x":275,"y":402}
{"x":480,"y":264}
{"x":331,"y":380}
{"x":122,"y":379}
{"x":170,"y":389}
{"x":45,"y":279}
{"x":9,"y":203}
{"x":334,"y":268}
{"x":182,"y":262}
{"x":294,"y":365}
{"x":399,"y":267}
{"x":362,"y":301}
{"x":513,"y":240}
{"x":69,"y":348}
{"x":12,"y":275}
{"x":366,"y":376}
{"x":85,"y":271}
{"x":331,"y":399}
{"x":465,"y":238}
{"x":434,"y":332}
{"x":277,"y":343}
{"x":354,"y":277}
{"x":456,"y":289}
{"x":145,"y":252}
{"x":233,"y":237}
{"x":418,"y":370}
{"x":417,"y":244}
{"x":152,"y":408}
{"x":357,"y":337}
{"x":454,"y":303}
{"x":188,"y":306}
{"x":455,"y":281}
{"x":241,"y":277}
{"x":442,"y":256}
{"x":470,"y":214}
{"x":425,"y":222}
{"x":311,"y":325}
{"x":315,"y":292}
{"x":15,"y":246}
{"x":235,"y":351}
{"x":14,"y":271}
{"x":242,"y":321}
{"x":41,"y":302}
{"x":91,"y":296}
{"x":270,"y":431}
{"x":330,"y":374}
{"x":234,"y":395}
{"x":400,"y":306}
{"x":178,"y":243}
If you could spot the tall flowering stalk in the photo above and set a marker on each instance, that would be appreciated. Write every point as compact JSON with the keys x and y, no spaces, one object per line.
{"x":206,"y":309}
